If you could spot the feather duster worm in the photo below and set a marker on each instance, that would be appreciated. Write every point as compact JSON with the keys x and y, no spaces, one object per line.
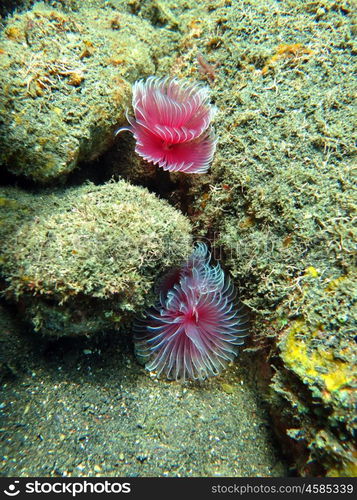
{"x":196,"y":328}
{"x":172,"y":124}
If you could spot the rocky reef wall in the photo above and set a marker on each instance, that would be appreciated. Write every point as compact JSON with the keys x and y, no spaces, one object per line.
{"x":278,"y":204}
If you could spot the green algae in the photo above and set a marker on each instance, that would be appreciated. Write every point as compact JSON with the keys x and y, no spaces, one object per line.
{"x":87,"y":258}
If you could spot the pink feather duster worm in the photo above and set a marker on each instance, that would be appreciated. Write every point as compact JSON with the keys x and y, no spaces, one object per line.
{"x":172,"y":124}
{"x":197,"y":326}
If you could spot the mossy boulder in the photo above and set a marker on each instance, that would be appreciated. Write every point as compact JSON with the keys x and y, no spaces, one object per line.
{"x":65,"y":85}
{"x":87,"y":258}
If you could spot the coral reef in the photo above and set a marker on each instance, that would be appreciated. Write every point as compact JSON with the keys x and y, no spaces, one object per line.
{"x":278,"y":201}
{"x":84,"y":259}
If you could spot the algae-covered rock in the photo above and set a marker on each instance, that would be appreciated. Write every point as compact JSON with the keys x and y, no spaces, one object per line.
{"x":64,"y":85}
{"x":84,"y":259}
{"x":281,"y":202}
